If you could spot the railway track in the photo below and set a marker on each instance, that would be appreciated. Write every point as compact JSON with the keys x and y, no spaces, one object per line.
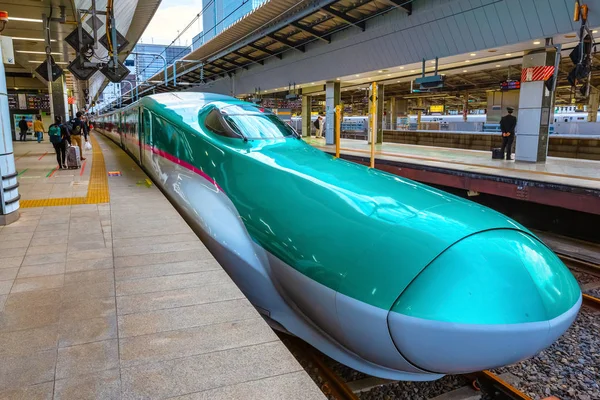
{"x":336,"y":388}
{"x":490,"y":385}
{"x":585,"y":266}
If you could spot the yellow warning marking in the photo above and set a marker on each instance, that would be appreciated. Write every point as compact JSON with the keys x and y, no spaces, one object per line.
{"x":97,"y":188}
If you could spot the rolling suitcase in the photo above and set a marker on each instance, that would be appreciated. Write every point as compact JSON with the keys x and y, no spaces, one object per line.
{"x":73,"y":157}
{"x":497,"y":154}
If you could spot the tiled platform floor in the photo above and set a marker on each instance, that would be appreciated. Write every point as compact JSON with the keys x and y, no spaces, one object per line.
{"x":36,"y":164}
{"x":121,"y":300}
{"x":566,"y":171}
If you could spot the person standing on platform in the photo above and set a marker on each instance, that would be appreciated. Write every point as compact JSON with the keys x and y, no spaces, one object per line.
{"x":23,"y":128}
{"x":38,"y":128}
{"x":79,"y":129}
{"x":59,"y":136}
{"x":321,"y":121}
{"x":508,"y":124}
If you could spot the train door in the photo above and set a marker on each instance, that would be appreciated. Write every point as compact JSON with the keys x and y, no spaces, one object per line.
{"x":146,"y":137}
{"x":118,"y":119}
{"x":138,"y":129}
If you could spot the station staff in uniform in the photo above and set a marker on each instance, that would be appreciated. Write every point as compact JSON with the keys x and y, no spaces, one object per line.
{"x":507,"y":126}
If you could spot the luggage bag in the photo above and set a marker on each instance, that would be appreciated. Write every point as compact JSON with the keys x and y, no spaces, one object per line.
{"x":497,"y":154}
{"x":73,"y":157}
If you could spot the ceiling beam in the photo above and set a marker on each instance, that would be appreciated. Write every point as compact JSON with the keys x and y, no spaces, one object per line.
{"x":235,"y":63}
{"x":311,"y":32}
{"x":285,"y":42}
{"x":264,"y":50}
{"x":248,"y":57}
{"x":345,"y":17}
{"x":401,"y":4}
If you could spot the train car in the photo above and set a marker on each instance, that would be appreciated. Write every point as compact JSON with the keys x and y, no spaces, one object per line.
{"x":386,"y":275}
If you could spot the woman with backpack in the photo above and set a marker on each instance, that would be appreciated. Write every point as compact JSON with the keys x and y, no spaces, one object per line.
{"x":58,"y":137}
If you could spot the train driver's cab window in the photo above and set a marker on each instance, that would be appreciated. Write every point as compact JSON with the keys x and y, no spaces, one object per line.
{"x":214,"y":123}
{"x":253,"y":122}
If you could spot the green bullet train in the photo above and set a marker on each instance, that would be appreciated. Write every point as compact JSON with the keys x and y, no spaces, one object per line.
{"x":388,"y":276}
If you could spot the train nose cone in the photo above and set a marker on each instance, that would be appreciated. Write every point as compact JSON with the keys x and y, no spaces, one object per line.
{"x":491,"y":299}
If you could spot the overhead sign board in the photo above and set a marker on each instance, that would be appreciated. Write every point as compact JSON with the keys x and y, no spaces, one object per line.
{"x":438,"y":108}
{"x":510,"y":85}
{"x":42,"y":70}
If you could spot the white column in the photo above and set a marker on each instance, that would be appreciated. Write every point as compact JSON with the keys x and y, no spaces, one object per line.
{"x":9,"y":203}
{"x":535,"y":102}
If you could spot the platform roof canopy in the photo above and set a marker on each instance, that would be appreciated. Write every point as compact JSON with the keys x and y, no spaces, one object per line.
{"x":26,"y":27}
{"x":272,"y":29}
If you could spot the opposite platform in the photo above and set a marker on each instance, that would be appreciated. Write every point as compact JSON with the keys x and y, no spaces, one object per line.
{"x":563,"y":182}
{"x":120,"y":299}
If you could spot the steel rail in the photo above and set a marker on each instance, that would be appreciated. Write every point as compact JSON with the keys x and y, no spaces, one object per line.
{"x":584,"y":265}
{"x":334,"y":386}
{"x":593,"y":268}
{"x":497,"y":387}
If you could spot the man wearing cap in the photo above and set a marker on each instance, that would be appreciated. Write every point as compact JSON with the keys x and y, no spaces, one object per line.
{"x":507,"y":126}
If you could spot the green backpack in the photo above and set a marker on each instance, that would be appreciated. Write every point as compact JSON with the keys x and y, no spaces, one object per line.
{"x":55,"y":134}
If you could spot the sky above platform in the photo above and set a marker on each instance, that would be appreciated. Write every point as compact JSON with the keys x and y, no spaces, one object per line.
{"x":173,"y":16}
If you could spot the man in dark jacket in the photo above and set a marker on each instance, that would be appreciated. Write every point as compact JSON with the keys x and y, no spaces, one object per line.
{"x":78,"y":132}
{"x":507,"y":126}
{"x":23,"y":127}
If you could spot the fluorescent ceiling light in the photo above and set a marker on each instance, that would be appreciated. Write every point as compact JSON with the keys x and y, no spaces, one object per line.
{"x":24,"y":19}
{"x":55,"y":62}
{"x":31,"y":39}
{"x":36,"y":52}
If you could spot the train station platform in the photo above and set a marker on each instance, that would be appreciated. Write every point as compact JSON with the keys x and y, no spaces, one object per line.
{"x":562,"y":182}
{"x":106,"y":293}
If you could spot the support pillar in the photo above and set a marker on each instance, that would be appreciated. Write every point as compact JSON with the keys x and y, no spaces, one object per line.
{"x":419,"y":112}
{"x":332,"y":99}
{"x":306,"y":123}
{"x":465,"y":106}
{"x":59,"y":98}
{"x":593,"y":104}
{"x":535,"y":103}
{"x":380,"y":108}
{"x":378,"y":112}
{"x":9,"y":193}
{"x":393,"y":113}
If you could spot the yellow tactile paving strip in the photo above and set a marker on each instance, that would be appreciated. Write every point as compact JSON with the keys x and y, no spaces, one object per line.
{"x":97,"y":188}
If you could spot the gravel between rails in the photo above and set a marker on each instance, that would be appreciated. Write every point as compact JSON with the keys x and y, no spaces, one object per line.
{"x":414,"y":390}
{"x":570,"y":368}
{"x":583,"y":277}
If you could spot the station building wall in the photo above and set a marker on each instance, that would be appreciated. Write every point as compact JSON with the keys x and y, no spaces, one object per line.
{"x":436,"y":28}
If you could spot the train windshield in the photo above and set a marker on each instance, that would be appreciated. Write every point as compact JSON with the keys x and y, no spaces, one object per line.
{"x":255,"y":123}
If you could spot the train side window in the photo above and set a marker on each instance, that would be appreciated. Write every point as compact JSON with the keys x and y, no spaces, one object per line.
{"x":214,"y":123}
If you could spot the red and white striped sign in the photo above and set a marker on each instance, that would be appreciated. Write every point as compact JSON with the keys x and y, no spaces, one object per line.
{"x":542,"y":73}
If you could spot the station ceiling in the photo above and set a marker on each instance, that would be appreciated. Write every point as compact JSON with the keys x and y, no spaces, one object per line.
{"x":476,"y":82}
{"x":25,"y":26}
